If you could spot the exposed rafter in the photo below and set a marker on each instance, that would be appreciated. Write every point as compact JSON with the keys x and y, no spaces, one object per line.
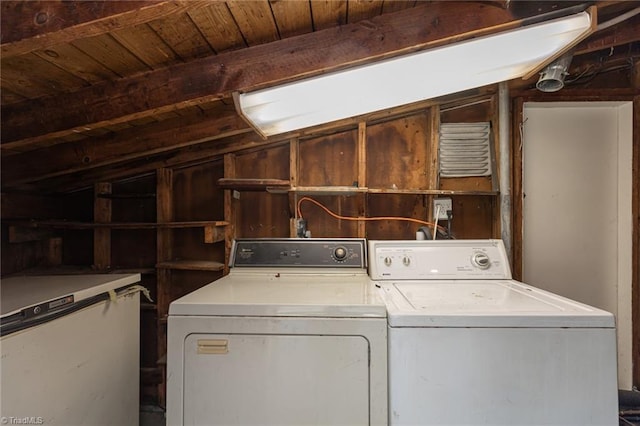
{"x":218,"y":76}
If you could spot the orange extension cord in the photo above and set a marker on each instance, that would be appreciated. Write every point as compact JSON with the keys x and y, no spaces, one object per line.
{"x":355,"y":219}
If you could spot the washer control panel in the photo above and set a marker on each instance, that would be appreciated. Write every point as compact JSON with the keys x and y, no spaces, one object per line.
{"x":438,"y":260}
{"x":300,"y":252}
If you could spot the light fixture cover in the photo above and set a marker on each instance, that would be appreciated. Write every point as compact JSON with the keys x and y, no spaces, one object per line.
{"x":410,"y":78}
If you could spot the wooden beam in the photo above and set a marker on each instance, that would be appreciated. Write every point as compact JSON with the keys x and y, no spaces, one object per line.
{"x":433,"y":162}
{"x":101,"y":236}
{"x":618,"y":35}
{"x":145,"y":165}
{"x":164,"y":253}
{"x":362,"y":176}
{"x":425,"y":26}
{"x":141,"y":141}
{"x":32,"y":25}
{"x":230,"y":210}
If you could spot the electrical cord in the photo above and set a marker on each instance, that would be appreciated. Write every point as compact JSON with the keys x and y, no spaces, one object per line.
{"x":355,"y":219}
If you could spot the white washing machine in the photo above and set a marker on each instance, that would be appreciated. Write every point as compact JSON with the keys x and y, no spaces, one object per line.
{"x":470,"y":346}
{"x":296,"y":334}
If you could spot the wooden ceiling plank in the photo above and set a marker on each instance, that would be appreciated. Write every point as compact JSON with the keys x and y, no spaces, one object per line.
{"x":217,"y":77}
{"x":359,"y":10}
{"x":46,"y":77}
{"x":218,"y":27}
{"x":255,"y":21}
{"x":127,"y":144}
{"x":390,"y":6}
{"x":292,"y":18}
{"x":146,"y":45}
{"x":63,"y":22}
{"x":328,"y":13}
{"x":627,"y":33}
{"x":180,"y":33}
{"x":9,"y":97}
{"x":111,"y":54}
{"x":76,"y":62}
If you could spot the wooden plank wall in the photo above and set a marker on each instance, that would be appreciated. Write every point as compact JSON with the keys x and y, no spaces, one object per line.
{"x":385,"y":168}
{"x":261,"y":214}
{"x":379,"y":169}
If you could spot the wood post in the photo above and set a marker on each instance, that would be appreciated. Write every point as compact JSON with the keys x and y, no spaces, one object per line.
{"x":229,"y":210}
{"x":433,"y":166}
{"x":164,"y":214}
{"x":101,"y":236}
{"x":362,"y":177}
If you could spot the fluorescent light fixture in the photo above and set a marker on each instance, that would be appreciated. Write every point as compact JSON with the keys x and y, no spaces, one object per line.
{"x":411,"y":78}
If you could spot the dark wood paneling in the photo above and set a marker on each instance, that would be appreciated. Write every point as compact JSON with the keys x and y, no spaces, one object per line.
{"x":412,"y":206}
{"x":197,"y":196}
{"x":398,"y":152}
{"x":321,"y":224}
{"x":329,"y":160}
{"x":260,"y":214}
{"x":473,"y":216}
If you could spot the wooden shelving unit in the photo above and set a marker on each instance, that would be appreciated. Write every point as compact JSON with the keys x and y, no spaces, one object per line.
{"x":191,"y":265}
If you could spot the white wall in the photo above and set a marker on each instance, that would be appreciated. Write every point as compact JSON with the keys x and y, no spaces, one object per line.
{"x":577,"y":222}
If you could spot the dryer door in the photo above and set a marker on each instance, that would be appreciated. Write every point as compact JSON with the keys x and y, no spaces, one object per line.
{"x":261,"y":379}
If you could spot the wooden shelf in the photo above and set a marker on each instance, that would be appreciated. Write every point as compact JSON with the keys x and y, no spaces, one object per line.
{"x":278,"y":186}
{"x":351,"y":190}
{"x":125,"y":196}
{"x":329,"y":190}
{"x":271,"y":185}
{"x":428,"y":192}
{"x":191,"y":265}
{"x":82,"y":270}
{"x":62,"y":224}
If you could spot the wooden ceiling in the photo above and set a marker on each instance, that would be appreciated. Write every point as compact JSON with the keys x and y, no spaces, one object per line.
{"x":102,"y":90}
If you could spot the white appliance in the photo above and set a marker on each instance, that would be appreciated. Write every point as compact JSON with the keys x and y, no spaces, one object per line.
{"x":70,"y":350}
{"x":470,"y":346}
{"x":294,"y":335}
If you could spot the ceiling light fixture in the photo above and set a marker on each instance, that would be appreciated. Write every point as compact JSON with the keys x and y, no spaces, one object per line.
{"x":403,"y":80}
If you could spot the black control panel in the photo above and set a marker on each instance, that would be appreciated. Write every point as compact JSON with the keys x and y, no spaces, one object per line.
{"x":300,"y":252}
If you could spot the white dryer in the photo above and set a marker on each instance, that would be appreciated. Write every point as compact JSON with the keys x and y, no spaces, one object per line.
{"x":294,"y":335}
{"x":470,"y":346}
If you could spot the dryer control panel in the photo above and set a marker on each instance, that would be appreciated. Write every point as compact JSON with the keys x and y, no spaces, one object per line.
{"x":300,"y":252}
{"x":438,"y":260}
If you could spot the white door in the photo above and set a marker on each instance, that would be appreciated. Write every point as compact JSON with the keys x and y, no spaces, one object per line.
{"x":261,"y":379}
{"x":577,"y":222}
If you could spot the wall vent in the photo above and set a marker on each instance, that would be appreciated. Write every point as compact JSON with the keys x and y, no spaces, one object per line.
{"x":465,"y":149}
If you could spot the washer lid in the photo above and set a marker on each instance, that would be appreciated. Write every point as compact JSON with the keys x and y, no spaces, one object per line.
{"x":276,"y":295}
{"x":496,"y":303}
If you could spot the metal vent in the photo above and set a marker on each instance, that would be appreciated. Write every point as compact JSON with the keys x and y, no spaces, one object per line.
{"x":465,"y":149}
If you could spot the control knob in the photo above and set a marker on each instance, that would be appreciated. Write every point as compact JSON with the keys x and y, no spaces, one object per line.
{"x":340,"y":253}
{"x":481,"y":260}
